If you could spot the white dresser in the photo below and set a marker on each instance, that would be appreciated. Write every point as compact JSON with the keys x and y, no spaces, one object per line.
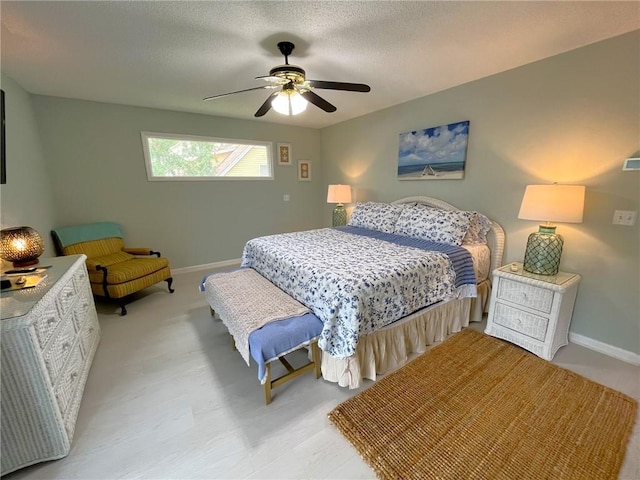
{"x":530,"y":310}
{"x":50,"y":334}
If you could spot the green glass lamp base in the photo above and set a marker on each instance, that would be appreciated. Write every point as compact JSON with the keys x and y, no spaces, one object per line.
{"x":339,"y":216}
{"x":544,"y":249}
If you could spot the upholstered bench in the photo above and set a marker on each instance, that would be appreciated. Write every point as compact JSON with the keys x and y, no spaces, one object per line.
{"x":272,"y":341}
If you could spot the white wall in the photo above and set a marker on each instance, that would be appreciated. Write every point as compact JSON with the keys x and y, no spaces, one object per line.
{"x":572,"y":118}
{"x":98,"y":174}
{"x":26,"y":198}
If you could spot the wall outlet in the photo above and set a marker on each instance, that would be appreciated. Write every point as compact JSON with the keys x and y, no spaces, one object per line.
{"x":286,"y":197}
{"x":625,"y":217}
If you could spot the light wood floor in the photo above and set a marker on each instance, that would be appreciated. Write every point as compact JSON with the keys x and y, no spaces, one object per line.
{"x":167,"y":398}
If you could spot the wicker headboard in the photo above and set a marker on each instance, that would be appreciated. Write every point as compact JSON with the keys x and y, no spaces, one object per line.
{"x":495,"y":237}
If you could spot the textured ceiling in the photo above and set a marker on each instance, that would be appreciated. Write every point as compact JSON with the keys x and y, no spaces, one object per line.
{"x":172,"y":54}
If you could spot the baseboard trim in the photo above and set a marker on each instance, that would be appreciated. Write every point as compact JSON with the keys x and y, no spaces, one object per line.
{"x":606,"y":349}
{"x":208,"y":266}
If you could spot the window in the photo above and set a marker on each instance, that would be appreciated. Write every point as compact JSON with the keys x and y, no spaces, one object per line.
{"x":188,"y":157}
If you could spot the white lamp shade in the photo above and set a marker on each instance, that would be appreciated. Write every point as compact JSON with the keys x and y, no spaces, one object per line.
{"x":339,"y":194}
{"x":553,"y":203}
{"x":289,"y":102}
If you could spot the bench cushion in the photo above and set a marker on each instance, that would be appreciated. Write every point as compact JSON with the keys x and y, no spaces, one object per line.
{"x":278,"y":338}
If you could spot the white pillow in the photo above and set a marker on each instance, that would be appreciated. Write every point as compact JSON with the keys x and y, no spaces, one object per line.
{"x":376,"y":216}
{"x":442,"y":226}
{"x":477,"y":233}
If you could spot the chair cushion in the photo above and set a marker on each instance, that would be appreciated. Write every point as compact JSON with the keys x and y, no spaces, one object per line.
{"x":95,"y":248}
{"x":129,"y":270}
{"x":108,"y":260}
{"x":127,"y":288}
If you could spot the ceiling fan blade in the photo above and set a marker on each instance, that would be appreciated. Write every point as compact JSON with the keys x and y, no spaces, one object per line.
{"x":349,"y":87}
{"x":239,"y":91}
{"x":318,"y":101}
{"x":266,"y":106}
{"x":274,"y":79}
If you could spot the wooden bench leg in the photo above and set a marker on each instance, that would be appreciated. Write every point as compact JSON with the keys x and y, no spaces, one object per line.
{"x":267,"y":385}
{"x":316,"y":356}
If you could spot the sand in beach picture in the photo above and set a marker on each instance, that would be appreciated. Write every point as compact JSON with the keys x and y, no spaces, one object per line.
{"x":436,"y":153}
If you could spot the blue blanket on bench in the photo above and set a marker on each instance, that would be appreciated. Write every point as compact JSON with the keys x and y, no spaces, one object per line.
{"x":278,"y":338}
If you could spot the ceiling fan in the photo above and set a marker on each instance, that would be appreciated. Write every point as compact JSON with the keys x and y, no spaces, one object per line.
{"x":294,"y":90}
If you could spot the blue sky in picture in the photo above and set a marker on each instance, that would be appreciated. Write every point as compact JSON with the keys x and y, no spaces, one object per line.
{"x":444,"y":144}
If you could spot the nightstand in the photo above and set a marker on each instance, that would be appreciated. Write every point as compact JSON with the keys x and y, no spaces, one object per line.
{"x":530,"y":310}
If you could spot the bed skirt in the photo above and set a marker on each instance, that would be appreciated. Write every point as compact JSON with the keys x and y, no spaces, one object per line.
{"x":391,"y":346}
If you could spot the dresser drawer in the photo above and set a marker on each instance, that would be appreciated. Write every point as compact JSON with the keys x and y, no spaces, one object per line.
{"x":525,"y":295}
{"x":66,"y":387}
{"x":520,"y":321}
{"x":46,"y":324}
{"x":56,"y":356}
{"x":67,"y":298}
{"x":81,"y":279}
{"x":82,"y":310}
{"x":88,"y":337}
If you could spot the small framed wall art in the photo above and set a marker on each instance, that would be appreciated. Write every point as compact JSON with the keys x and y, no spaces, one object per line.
{"x":304,"y":170}
{"x":284,"y":154}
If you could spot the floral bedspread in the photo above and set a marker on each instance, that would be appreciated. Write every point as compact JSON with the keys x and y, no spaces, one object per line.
{"x":353,"y":283}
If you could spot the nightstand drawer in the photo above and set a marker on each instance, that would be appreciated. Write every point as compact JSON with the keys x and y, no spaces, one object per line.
{"x":522,"y":322}
{"x":526,"y":295}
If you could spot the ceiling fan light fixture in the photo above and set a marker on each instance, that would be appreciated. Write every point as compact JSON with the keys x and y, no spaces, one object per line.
{"x":289,"y":102}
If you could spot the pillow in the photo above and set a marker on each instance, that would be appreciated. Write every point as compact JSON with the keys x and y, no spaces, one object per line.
{"x":376,"y":216}
{"x":442,"y":226}
{"x":477,"y":233}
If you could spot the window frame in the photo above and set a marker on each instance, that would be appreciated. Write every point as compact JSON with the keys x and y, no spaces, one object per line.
{"x":178,"y":136}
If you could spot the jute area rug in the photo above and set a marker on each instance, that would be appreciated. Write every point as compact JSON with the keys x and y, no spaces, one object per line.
{"x":476,"y":407}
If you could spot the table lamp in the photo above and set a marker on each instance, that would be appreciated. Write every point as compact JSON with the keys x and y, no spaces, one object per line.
{"x":549,"y":203}
{"x":20,"y":245}
{"x":339,"y":194}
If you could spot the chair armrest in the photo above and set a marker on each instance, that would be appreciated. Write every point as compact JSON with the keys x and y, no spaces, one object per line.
{"x":105,"y":273}
{"x":140,"y":251}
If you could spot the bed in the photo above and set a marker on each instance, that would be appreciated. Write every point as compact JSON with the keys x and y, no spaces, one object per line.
{"x":399,"y":277}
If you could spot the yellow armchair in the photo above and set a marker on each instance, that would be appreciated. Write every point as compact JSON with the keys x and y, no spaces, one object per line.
{"x":115,"y":271}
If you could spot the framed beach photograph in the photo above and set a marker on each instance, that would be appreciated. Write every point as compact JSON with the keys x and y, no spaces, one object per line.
{"x":284,"y":154}
{"x":304,"y":170}
{"x":437,"y":153}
